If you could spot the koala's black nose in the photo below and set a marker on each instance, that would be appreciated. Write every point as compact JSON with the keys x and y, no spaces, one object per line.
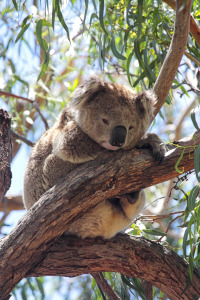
{"x":118,"y":136}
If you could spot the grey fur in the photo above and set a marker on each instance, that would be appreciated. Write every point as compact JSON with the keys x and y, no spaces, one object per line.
{"x":84,"y":131}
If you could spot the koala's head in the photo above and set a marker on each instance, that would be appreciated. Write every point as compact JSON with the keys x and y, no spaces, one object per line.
{"x":111,"y":114}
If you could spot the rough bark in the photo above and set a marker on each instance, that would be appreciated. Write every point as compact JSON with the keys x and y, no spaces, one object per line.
{"x":129,"y":255}
{"x":110,"y":174}
{"x":5,"y":152}
{"x":174,"y":55}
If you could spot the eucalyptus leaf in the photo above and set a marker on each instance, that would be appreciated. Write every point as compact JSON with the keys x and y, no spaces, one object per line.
{"x":192,"y":198}
{"x":24,"y":28}
{"x":154,"y":232}
{"x":114,"y":50}
{"x":197,"y":162}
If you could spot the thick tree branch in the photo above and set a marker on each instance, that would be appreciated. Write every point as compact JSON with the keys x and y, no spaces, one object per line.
{"x":174,"y":55}
{"x":5,"y":152}
{"x":109,"y":175}
{"x":128,"y":255}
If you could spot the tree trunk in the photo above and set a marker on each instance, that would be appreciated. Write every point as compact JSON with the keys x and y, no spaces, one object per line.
{"x":5,"y":153}
{"x":109,"y":175}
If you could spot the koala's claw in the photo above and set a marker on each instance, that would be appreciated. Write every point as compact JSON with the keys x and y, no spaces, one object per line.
{"x":157,"y":156}
{"x":151,"y":140}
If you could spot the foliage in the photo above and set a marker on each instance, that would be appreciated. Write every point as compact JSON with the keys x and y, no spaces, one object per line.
{"x":123,"y":41}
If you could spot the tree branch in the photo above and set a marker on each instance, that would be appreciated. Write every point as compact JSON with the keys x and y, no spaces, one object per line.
{"x":129,"y":255}
{"x":174,"y":55}
{"x":5,"y":152}
{"x":109,"y":175}
{"x":104,"y":286}
{"x":194,"y":28}
{"x":11,"y":203}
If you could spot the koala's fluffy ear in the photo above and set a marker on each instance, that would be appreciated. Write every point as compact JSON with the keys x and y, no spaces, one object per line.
{"x":145,"y":102}
{"x":86,"y":92}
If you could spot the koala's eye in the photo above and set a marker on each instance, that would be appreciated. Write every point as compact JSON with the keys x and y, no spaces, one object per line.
{"x":131,"y":127}
{"x":105,"y":121}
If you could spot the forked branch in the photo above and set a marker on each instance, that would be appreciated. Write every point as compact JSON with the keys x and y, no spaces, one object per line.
{"x":111,"y":174}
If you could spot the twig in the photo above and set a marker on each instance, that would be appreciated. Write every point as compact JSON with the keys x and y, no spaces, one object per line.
{"x":34,"y":103}
{"x":36,"y":106}
{"x":160,"y":239}
{"x":17,"y":136}
{"x":160,"y":216}
{"x":104,"y":286}
{"x":191,"y":58}
{"x":193,"y":89}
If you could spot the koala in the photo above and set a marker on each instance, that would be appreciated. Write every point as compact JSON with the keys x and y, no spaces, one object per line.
{"x":100,"y":117}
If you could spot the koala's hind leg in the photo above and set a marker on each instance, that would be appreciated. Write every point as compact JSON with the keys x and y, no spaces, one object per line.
{"x":132,"y":204}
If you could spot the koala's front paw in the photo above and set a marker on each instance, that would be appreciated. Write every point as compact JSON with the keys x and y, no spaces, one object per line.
{"x":151,"y":140}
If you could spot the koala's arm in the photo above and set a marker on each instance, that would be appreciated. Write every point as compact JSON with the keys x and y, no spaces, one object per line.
{"x":109,"y":217}
{"x":71,"y":144}
{"x":152,"y":141}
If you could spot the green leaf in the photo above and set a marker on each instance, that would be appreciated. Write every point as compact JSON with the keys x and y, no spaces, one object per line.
{"x":104,"y":49}
{"x":192,"y":115}
{"x":94,"y":4}
{"x":154,"y":232}
{"x":187,"y":286}
{"x":197,"y":257}
{"x":25,"y":20}
{"x":86,"y":9}
{"x":185,"y":240}
{"x":157,"y":50}
{"x":177,"y":85}
{"x":39,"y":35}
{"x":139,"y":14}
{"x":53,"y":16}
{"x":192,"y":198}
{"x":141,"y":61}
{"x":197,"y":162}
{"x":184,"y":91}
{"x":191,"y":266}
{"x":21,"y":80}
{"x":15,"y":4}
{"x":24,"y":28}
{"x":198,"y":218}
{"x":44,"y":67}
{"x":128,"y":66}
{"x":101,"y":9}
{"x":178,"y":161}
{"x":100,"y":48}
{"x":152,"y":66}
{"x":46,"y":22}
{"x":56,"y":5}
{"x":92,"y":17}
{"x":114,"y":50}
{"x":150,"y":74}
{"x":40,"y":286}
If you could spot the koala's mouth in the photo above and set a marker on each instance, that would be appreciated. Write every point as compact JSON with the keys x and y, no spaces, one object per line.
{"x":108,"y":146}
